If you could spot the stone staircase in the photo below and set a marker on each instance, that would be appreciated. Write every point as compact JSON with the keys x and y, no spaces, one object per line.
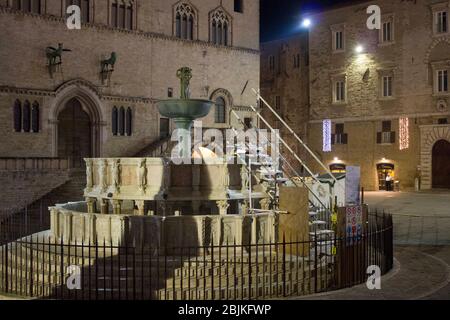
{"x":155,"y":149}
{"x":39,"y":270}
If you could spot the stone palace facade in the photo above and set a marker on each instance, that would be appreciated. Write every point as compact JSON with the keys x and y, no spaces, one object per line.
{"x":73,"y":109}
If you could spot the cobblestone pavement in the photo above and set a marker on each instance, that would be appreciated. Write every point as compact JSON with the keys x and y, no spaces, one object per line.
{"x":420,"y":272}
{"x":422,"y":248}
{"x":419,"y":218}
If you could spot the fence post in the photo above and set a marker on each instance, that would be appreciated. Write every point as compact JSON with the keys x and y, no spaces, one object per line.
{"x":6,"y":267}
{"x":284,"y":265}
{"x":316,"y":274}
{"x":31,"y":267}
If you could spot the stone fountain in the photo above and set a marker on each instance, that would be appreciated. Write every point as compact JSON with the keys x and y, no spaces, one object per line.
{"x":155,"y":202}
{"x":184,"y":111}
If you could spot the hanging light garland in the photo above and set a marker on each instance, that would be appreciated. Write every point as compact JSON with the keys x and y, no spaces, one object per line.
{"x":327,"y":135}
{"x":404,"y":133}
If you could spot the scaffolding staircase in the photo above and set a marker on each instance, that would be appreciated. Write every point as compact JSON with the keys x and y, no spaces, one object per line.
{"x":278,"y":173}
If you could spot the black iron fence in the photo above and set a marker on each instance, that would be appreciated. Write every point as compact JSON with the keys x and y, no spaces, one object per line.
{"x":34,"y":265}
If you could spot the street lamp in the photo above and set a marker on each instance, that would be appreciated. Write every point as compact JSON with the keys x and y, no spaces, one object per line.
{"x":306,"y":23}
{"x":359,"y":49}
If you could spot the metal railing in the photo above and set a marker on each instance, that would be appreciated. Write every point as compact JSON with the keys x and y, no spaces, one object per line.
{"x":36,"y":266}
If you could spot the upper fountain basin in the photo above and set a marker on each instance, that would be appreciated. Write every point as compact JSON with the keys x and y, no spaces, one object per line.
{"x":184,"y":108}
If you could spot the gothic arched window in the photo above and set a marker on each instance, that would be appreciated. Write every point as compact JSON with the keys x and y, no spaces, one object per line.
{"x":17,"y":116}
{"x":35,"y":117}
{"x":84,"y":7}
{"x":114,"y":121}
{"x":129,"y":122}
{"x":122,"y":14}
{"x":122,"y":121}
{"x":220,"y":110}
{"x":184,"y":21}
{"x":33,"y":6}
{"x":220,"y":30}
{"x":26,"y":116}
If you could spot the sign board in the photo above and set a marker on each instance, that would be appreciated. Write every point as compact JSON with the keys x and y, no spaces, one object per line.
{"x":354,"y":222}
{"x":352,"y":186}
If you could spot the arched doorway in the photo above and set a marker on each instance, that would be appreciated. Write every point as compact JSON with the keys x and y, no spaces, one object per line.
{"x":441,"y":164}
{"x":74,"y":133}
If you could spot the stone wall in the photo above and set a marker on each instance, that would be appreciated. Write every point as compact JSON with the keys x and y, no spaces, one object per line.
{"x":148,"y":58}
{"x":25,"y":187}
{"x":288,"y":79}
{"x":409,"y":58}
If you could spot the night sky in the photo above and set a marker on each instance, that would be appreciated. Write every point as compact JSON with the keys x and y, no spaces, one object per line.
{"x":281,"y":18}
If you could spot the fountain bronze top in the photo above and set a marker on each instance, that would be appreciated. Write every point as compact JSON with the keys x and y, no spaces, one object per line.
{"x":185,"y":109}
{"x":185,"y":76}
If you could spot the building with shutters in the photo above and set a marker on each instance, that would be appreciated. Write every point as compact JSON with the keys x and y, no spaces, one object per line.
{"x":384,"y":92}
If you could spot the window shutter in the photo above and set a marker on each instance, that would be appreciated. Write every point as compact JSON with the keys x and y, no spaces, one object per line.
{"x":393,"y":137}
{"x":379,"y":137}
{"x":345,"y":138}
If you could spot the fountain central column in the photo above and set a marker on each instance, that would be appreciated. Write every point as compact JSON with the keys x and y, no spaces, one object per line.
{"x":184,"y":137}
{"x":184,"y":111}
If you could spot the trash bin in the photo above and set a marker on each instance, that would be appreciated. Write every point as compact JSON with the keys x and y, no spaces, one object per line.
{"x":397,"y":186}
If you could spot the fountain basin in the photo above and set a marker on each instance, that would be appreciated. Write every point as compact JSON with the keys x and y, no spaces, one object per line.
{"x":184,"y":109}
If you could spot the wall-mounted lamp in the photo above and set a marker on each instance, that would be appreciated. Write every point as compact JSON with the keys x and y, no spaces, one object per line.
{"x":359,"y":49}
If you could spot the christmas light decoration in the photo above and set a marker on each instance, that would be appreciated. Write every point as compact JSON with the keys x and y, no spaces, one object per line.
{"x":327,"y":135}
{"x":404,"y":133}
